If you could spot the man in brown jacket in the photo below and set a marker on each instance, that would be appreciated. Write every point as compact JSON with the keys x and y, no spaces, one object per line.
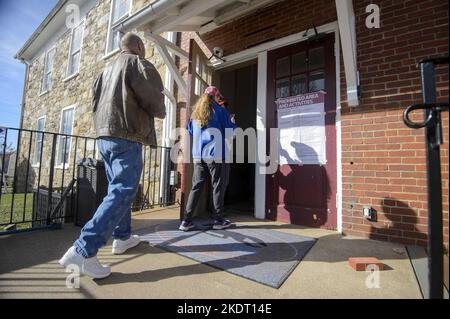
{"x":127,"y":96}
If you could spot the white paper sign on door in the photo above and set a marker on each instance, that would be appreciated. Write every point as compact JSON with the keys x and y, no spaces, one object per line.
{"x":301,"y":121}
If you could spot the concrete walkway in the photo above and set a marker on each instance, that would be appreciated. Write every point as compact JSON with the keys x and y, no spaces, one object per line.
{"x":29,"y":268}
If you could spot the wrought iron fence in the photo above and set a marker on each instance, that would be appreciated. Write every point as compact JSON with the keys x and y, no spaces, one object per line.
{"x":38,"y":178}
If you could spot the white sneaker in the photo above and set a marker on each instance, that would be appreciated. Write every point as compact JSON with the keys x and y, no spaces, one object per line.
{"x":87,"y":266}
{"x":121,"y":246}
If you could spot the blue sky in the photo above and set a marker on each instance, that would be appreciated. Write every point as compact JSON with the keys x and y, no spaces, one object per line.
{"x":18,"y":20}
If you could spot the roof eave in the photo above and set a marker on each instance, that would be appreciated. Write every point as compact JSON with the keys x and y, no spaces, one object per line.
{"x":40,"y":28}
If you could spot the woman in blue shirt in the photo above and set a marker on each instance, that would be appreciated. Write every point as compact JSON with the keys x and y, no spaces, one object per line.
{"x":210,"y":123}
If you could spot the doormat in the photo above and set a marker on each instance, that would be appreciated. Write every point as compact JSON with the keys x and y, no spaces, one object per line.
{"x":263,"y":255}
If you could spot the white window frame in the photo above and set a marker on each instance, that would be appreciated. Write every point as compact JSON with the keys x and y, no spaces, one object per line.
{"x":36,"y":162}
{"x":45,"y":90}
{"x":67,"y":163}
{"x":72,"y":75}
{"x":111,"y":25}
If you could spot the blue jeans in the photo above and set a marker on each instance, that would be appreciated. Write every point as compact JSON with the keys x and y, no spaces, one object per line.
{"x":123,"y":165}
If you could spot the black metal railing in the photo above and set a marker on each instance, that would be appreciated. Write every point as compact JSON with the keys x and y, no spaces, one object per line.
{"x":38,"y":174}
{"x":433,"y":139}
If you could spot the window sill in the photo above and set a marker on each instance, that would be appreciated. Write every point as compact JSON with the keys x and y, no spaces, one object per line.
{"x":43,"y":93}
{"x":110,"y":54}
{"x":70,"y":77}
{"x":67,"y":166}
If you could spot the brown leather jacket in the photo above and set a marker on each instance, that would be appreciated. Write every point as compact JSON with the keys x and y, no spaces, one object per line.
{"x":127,"y":96}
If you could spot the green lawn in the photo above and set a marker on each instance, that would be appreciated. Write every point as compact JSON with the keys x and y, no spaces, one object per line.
{"x":18,"y":211}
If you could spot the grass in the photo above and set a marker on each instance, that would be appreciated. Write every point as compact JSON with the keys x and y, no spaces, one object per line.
{"x":18,"y":210}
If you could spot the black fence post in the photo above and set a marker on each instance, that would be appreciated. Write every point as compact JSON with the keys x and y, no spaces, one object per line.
{"x":14,"y":190}
{"x":3,"y":164}
{"x":432,"y":141}
{"x":50,"y":179}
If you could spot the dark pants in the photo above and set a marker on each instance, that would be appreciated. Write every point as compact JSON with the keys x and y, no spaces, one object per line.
{"x":219,"y":181}
{"x":226,"y":181}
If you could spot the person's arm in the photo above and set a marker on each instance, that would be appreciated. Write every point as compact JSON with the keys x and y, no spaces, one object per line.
{"x":228,"y":121}
{"x":148,"y":87}
{"x":96,"y":90}
{"x":189,"y":127}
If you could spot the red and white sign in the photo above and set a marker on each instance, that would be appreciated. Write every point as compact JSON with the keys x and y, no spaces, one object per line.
{"x":301,"y":121}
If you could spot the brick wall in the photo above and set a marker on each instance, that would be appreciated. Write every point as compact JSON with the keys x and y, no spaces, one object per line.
{"x":383,"y":161}
{"x":266,"y":24}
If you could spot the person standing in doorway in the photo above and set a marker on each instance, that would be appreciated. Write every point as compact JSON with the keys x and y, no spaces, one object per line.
{"x":208,"y":152}
{"x":220,"y":99}
{"x":127,"y":96}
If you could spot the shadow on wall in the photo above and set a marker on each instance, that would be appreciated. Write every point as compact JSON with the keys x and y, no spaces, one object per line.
{"x":305,"y":189}
{"x":402,"y":226}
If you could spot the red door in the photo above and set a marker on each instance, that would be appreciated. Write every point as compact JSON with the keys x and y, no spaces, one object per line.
{"x":304,"y":194}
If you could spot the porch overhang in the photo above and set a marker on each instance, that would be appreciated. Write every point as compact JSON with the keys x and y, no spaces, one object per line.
{"x":185,"y":15}
{"x":204,"y":16}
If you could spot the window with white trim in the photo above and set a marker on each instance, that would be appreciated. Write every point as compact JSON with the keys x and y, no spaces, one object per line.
{"x":48,"y":66}
{"x":64,"y":142}
{"x":76,"y":41}
{"x":202,"y":75}
{"x":120,"y":10}
{"x":38,"y":141}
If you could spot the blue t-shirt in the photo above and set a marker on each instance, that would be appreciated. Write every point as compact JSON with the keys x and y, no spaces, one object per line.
{"x":205,"y":140}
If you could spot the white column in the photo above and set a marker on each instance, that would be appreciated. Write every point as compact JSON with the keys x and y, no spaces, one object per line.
{"x":169,"y":120}
{"x":347,"y":29}
{"x":261,"y":120}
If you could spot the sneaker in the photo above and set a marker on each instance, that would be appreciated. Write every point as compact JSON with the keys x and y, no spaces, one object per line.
{"x":221,"y":224}
{"x":87,"y":266}
{"x":186,"y":225}
{"x":120,"y":246}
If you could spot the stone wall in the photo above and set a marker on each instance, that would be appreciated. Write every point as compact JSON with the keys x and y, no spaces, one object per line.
{"x":74,"y":91}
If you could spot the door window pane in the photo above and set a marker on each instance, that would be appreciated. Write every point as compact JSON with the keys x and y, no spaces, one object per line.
{"x":282,"y":67}
{"x":299,"y":84}
{"x":316,"y":58}
{"x":316,"y":81}
{"x":299,"y":62}
{"x":282,"y":88}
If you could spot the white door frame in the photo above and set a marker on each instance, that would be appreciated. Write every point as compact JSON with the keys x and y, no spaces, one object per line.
{"x":260,"y":52}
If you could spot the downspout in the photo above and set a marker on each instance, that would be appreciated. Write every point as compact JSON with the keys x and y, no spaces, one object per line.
{"x":146,"y":15}
{"x":24,"y":90}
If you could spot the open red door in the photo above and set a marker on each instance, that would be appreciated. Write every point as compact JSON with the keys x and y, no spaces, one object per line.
{"x":304,"y":194}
